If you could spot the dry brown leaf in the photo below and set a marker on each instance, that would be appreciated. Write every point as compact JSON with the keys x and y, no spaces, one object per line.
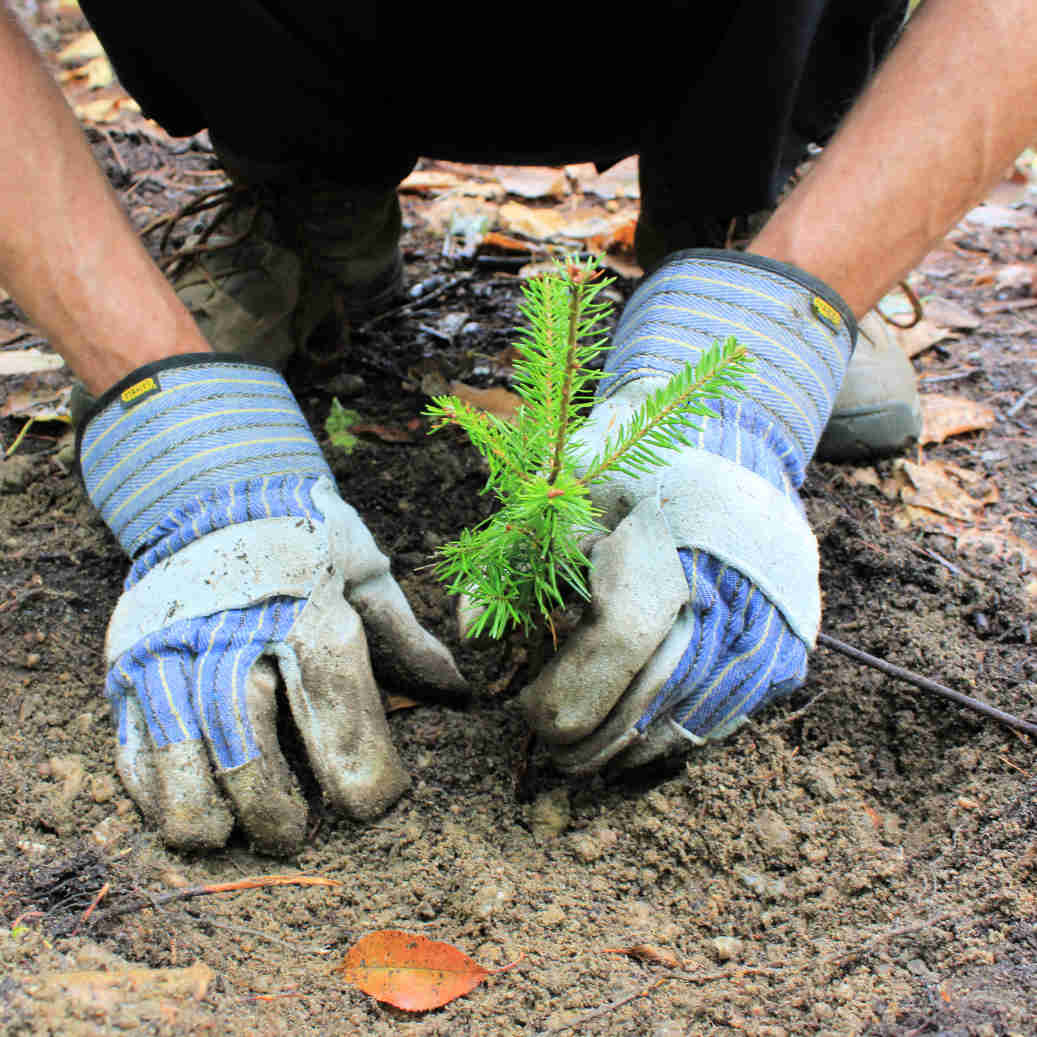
{"x":646,"y":952}
{"x":430,"y":180}
{"x":106,"y":109}
{"x":84,"y":47}
{"x":497,"y":401}
{"x":539,"y":224}
{"x":865,"y":477}
{"x":623,"y":267}
{"x":94,"y":75}
{"x":1000,"y":217}
{"x":409,"y":970}
{"x":945,"y":488}
{"x":944,"y":416}
{"x":389,"y":433}
{"x":948,"y":313}
{"x":618,"y":181}
{"x":444,"y":213}
{"x":921,"y":337}
{"x":501,"y":241}
{"x":394,"y":703}
{"x":1016,"y":277}
{"x":533,"y":181}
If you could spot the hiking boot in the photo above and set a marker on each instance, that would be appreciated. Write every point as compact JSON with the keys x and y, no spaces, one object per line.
{"x":878,"y":411}
{"x":281,"y":260}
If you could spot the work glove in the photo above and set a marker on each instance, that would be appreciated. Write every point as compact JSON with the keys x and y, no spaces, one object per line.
{"x":250,"y":575}
{"x":704,"y":599}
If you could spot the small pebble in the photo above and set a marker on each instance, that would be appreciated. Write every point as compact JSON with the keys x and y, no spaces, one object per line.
{"x":32,"y":660}
{"x":102,"y":788}
{"x":552,"y":915}
{"x":727,"y":948}
{"x":550,"y":814}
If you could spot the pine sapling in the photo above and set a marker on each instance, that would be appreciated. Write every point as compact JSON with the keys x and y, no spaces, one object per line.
{"x":516,"y":566}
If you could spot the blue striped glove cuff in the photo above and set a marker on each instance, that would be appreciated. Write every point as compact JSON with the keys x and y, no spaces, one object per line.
{"x":183,"y":429}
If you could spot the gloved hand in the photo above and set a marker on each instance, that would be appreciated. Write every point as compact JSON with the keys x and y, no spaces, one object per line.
{"x":705,"y":599}
{"x":250,"y":574}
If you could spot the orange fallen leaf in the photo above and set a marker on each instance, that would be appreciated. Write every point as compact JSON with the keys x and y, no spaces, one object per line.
{"x":386,"y":433}
{"x":409,"y":970}
{"x":394,"y":703}
{"x":501,"y":402}
{"x":533,"y":181}
{"x":944,"y":416}
{"x":646,"y":952}
{"x":918,"y":339}
{"x":493,"y":239}
{"x":945,"y":488}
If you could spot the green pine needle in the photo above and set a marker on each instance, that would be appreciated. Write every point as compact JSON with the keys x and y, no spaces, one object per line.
{"x":518,"y":565}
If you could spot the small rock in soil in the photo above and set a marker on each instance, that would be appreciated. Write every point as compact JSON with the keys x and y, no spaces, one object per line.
{"x":727,"y":948}
{"x":550,"y":814}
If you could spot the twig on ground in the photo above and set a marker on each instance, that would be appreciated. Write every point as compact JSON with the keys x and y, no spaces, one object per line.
{"x":927,"y":685}
{"x":686,"y":977}
{"x":415,"y":304}
{"x":260,"y":882}
{"x":101,"y":894}
{"x":892,"y":934}
{"x":257,"y":933}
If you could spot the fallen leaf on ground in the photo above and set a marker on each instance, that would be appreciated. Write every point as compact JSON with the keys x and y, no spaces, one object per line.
{"x":106,"y":109}
{"x":618,"y":181}
{"x":864,"y":477}
{"x":450,"y":212}
{"x":39,"y":403}
{"x":409,"y":970}
{"x":498,"y":401}
{"x":533,"y":181}
{"x":945,"y":488}
{"x":540,"y":224}
{"x":948,"y":313}
{"x":493,"y":239}
{"x":25,"y":361}
{"x":386,"y":433}
{"x":430,"y":180}
{"x":921,"y":337}
{"x":646,"y":952}
{"x":944,"y":416}
{"x":84,"y":47}
{"x":1016,"y":277}
{"x":94,"y":75}
{"x":1000,"y":217}
{"x":394,"y":703}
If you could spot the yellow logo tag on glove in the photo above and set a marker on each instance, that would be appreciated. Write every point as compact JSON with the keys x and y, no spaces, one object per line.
{"x":826,"y":312}
{"x":139,"y":391}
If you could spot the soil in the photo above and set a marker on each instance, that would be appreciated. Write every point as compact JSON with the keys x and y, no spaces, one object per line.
{"x":861,"y":860}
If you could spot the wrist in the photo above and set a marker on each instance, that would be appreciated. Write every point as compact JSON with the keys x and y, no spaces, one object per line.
{"x":185,"y":428}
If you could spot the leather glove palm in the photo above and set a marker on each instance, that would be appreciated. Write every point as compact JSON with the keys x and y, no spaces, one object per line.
{"x":250,"y":573}
{"x":705,"y":598}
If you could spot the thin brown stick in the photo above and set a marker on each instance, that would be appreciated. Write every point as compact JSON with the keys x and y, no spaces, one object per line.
{"x":101,"y":894}
{"x":927,"y":685}
{"x":597,"y":1013}
{"x":260,"y":882}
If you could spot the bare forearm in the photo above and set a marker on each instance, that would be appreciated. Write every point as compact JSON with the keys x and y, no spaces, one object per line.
{"x":68,"y":255}
{"x":952,"y":106}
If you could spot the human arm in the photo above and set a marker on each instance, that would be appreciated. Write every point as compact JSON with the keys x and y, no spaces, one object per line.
{"x":946,"y":114}
{"x":68,"y":254}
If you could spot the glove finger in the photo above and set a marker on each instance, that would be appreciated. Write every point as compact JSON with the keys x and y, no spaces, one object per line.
{"x":637,"y":588}
{"x":621,"y":730}
{"x":192,"y":813}
{"x":134,"y":755}
{"x":163,"y":757}
{"x":338,"y":708}
{"x":264,"y":791}
{"x":406,"y":654}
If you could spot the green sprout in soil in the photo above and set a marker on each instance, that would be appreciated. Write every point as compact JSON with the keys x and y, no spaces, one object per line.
{"x":516,"y":567}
